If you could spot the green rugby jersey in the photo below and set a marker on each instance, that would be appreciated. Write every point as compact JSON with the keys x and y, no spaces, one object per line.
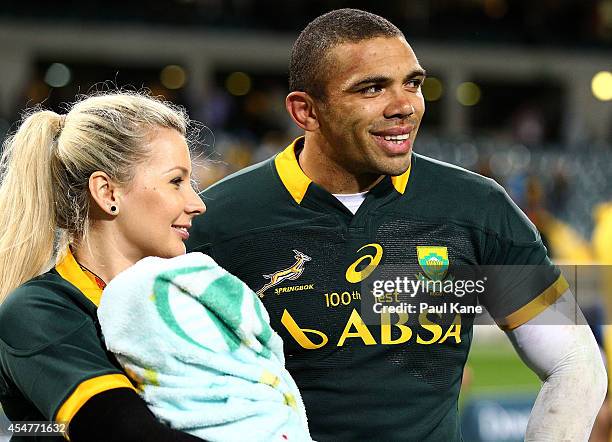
{"x":52,"y":359}
{"x":310,"y":258}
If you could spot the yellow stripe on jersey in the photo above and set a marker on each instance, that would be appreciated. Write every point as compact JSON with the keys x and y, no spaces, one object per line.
{"x":71,"y":271}
{"x":291,"y":174}
{"x":535,"y":306}
{"x":86,"y":390}
{"x":607,"y":345}
{"x":401,"y":181}
{"x":296,"y":181}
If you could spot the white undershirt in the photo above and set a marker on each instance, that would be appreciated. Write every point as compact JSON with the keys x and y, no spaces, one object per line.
{"x":351,"y":201}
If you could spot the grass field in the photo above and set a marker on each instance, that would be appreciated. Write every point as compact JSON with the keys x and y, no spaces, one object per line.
{"x":494,"y":367}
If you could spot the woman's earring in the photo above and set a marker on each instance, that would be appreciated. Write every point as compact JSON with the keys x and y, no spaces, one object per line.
{"x":113,"y":210}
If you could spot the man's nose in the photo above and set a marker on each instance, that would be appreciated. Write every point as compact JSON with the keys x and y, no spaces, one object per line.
{"x":400,"y":104}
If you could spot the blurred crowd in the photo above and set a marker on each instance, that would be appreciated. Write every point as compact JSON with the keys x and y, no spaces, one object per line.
{"x":567,"y":193}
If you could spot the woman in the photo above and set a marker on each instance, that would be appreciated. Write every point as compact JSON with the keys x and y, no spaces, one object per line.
{"x":112,"y":177}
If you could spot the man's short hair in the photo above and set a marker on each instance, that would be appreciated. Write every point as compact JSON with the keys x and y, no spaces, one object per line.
{"x":309,"y":53}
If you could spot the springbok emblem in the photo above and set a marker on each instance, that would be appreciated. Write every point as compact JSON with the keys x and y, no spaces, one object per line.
{"x":291,"y":273}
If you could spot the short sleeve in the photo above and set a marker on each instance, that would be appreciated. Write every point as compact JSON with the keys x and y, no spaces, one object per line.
{"x":52,"y":354}
{"x":521,"y":280}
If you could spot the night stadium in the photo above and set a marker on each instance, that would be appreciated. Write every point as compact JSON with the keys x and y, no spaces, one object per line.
{"x":517,"y":92}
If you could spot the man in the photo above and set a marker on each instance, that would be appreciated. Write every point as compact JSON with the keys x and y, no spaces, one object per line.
{"x":310,"y":228}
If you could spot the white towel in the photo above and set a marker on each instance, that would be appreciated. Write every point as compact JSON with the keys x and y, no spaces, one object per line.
{"x":198,"y":344}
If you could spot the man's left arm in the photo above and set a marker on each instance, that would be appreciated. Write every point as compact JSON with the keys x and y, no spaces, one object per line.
{"x":560,"y":348}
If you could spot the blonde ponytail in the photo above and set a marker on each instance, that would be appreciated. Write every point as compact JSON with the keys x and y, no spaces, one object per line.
{"x":27,"y":214}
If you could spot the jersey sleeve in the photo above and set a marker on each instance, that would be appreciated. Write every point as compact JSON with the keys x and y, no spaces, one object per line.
{"x":51,"y":352}
{"x":521,"y":280}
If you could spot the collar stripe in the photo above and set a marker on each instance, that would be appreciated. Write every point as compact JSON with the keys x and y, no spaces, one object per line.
{"x":291,"y":174}
{"x":401,"y":181}
{"x":296,"y":182}
{"x":71,"y":271}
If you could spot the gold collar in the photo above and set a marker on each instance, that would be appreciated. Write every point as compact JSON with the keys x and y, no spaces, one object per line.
{"x":296,"y":182}
{"x":71,"y":271}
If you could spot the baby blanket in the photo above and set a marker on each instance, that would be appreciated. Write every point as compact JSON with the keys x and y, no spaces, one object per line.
{"x":198,"y":344}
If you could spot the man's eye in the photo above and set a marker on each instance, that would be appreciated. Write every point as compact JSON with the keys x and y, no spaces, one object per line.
{"x":177,"y":181}
{"x":371,"y":90}
{"x":415,"y":83}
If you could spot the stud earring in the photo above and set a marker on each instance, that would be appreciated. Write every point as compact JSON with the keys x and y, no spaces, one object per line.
{"x":113,"y":210}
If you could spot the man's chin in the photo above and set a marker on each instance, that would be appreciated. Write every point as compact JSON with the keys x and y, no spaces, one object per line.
{"x":398,"y":166}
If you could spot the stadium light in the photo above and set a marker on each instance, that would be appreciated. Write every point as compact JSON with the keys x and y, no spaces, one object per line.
{"x":468,"y":93}
{"x":601,"y":85}
{"x":432,"y":89}
{"x":58,"y":75}
{"x":238,"y":83}
{"x":173,"y":77}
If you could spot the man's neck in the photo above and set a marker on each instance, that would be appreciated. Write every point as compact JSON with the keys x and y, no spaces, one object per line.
{"x":327,"y":173}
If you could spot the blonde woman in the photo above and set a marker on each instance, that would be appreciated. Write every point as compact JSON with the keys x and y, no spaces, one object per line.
{"x":93,"y":175}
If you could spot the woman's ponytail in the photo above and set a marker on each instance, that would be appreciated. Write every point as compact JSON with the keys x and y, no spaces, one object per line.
{"x":27,"y":209}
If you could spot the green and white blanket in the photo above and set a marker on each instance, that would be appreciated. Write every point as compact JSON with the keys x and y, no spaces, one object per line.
{"x":198,"y":344}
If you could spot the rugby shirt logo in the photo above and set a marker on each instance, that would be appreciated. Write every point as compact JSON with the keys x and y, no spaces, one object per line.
{"x":434,"y":261}
{"x":367,"y":263}
{"x":290,"y":273}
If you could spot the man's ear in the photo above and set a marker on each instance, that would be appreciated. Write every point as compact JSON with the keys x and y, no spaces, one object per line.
{"x":104,"y":192}
{"x":302,"y":109}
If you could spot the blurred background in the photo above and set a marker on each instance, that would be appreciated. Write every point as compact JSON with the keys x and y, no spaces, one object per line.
{"x":520,"y":91}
